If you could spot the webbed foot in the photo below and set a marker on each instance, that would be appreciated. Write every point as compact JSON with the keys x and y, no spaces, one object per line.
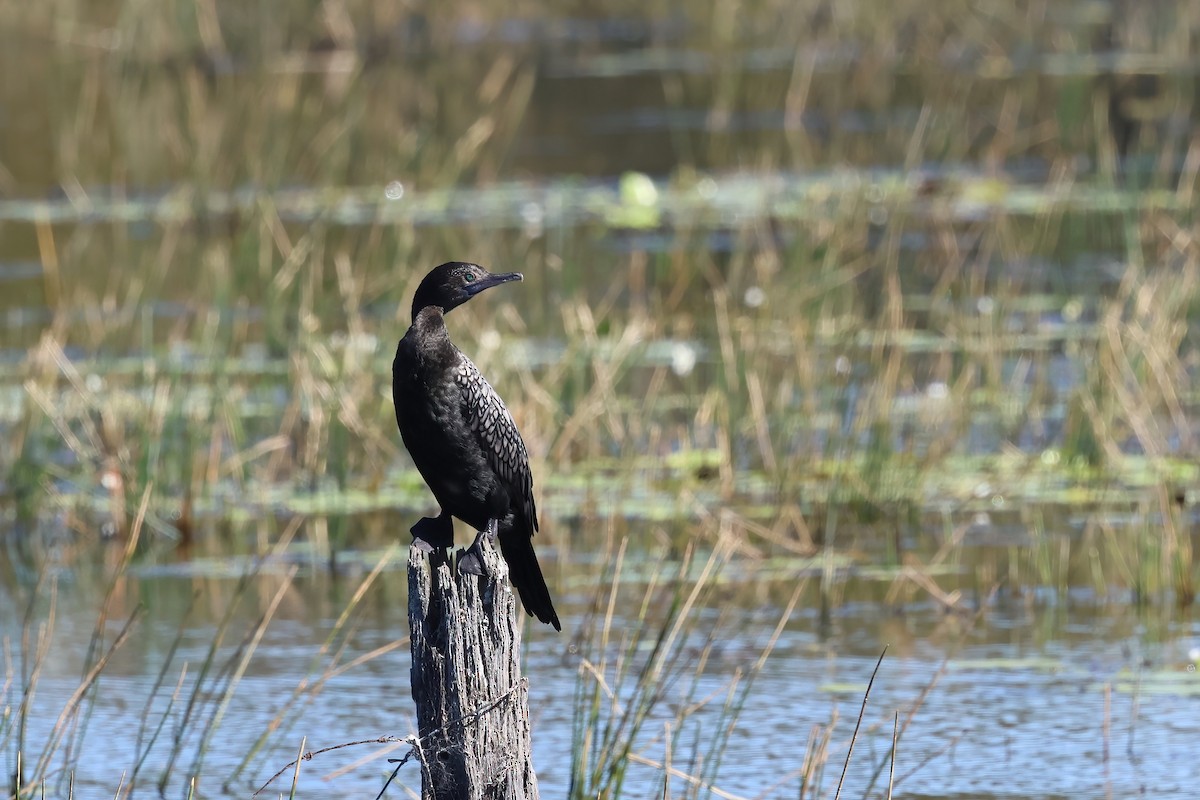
{"x":471,"y":560}
{"x":430,"y":533}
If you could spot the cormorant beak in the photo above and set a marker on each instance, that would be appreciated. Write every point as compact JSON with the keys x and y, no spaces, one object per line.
{"x":489,"y":280}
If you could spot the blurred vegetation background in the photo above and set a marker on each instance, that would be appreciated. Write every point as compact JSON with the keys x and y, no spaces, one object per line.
{"x":778,"y":237}
{"x":823,"y":286}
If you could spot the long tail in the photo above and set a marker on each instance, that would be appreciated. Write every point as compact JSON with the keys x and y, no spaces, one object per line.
{"x":526,"y":574}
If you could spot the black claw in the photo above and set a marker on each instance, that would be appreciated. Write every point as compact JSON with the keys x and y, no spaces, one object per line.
{"x":471,"y":560}
{"x":431,"y":533}
{"x":470,"y":563}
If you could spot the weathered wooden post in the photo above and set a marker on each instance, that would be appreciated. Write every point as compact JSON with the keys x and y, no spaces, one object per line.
{"x":472,"y":703}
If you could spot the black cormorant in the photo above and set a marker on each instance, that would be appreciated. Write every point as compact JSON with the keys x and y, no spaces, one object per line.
{"x":462,"y":438}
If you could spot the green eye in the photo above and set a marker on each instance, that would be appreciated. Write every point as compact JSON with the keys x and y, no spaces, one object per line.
{"x":470,"y":276}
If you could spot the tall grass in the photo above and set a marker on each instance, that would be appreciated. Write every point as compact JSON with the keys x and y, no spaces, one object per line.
{"x":824,"y":340}
{"x":634,"y":666}
{"x":185,"y":705}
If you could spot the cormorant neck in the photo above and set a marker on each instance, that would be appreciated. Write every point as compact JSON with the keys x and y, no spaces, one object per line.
{"x":419,"y":307}
{"x":429,"y":318}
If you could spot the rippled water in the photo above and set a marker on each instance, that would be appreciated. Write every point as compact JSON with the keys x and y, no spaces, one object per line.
{"x":1045,"y":695}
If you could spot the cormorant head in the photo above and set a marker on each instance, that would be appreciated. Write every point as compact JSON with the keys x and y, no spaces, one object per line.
{"x":454,"y":283}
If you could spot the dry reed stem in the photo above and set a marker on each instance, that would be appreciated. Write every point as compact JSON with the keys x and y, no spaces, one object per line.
{"x":857,"y":723}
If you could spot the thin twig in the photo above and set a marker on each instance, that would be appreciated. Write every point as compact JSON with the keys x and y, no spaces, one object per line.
{"x":296,"y":774}
{"x":861,"y":711}
{"x":892,"y":768}
{"x":400,"y":762}
{"x":309,"y":756}
{"x":468,"y":718}
{"x":929,"y":758}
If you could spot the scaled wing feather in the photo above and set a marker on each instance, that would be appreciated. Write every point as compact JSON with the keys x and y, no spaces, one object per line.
{"x":498,"y":435}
